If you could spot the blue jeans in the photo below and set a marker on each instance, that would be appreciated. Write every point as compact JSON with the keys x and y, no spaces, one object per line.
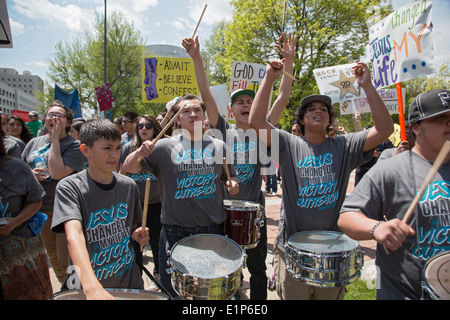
{"x":271,"y":183}
{"x":170,"y":235}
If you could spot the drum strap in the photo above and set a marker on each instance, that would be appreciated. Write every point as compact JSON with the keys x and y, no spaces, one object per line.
{"x":416,"y":218}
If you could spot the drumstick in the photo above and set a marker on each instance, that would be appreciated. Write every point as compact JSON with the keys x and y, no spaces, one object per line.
{"x":164,"y":130}
{"x":144,"y":215}
{"x":226,"y":170}
{"x":198,"y":23}
{"x":436,"y":165}
{"x":287,"y":74}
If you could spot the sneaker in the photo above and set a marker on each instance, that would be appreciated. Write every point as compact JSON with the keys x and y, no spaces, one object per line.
{"x":274,"y":193}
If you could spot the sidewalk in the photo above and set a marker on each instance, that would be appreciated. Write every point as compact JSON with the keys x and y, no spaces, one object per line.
{"x":272,"y":216}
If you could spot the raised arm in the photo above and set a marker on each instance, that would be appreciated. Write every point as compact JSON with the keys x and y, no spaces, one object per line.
{"x":202,"y":80}
{"x":258,"y":111}
{"x":383,"y":126}
{"x":288,"y":53}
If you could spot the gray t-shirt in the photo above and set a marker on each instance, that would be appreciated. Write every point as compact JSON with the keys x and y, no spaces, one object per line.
{"x":315,"y":179}
{"x":388,"y":153}
{"x":388,"y":189}
{"x":71,"y":155}
{"x":18,"y":185}
{"x":141,"y":177}
{"x":190,"y":180}
{"x":107,"y":218}
{"x":248,"y":157}
{"x":13,"y":147}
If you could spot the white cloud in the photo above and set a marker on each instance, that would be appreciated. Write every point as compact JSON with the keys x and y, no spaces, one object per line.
{"x":16,"y":27}
{"x":37,"y":63}
{"x":216,"y":11}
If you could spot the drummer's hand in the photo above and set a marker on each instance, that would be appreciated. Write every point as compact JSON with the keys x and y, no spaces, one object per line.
{"x":234,"y":188}
{"x":98,"y":294}
{"x":393,"y":233}
{"x":146,"y":148}
{"x":141,"y":237}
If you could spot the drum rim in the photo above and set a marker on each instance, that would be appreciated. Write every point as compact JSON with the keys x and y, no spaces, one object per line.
{"x":425,"y":268}
{"x":246,"y":204}
{"x":356,"y":248}
{"x":110,"y":290}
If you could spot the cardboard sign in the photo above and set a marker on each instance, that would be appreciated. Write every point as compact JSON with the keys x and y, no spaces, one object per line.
{"x":361,"y":105}
{"x":167,"y":78}
{"x":401,"y":45}
{"x":245,"y":75}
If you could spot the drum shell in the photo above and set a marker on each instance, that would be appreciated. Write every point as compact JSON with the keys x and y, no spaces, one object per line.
{"x":194,"y":287}
{"x":324,"y":269}
{"x":243,"y":222}
{"x":118,"y":294}
{"x":435,"y":275}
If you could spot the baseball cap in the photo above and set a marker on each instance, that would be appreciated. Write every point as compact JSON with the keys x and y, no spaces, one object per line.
{"x":317,"y":97}
{"x":33,"y":113}
{"x":241,"y":92}
{"x":429,"y":104}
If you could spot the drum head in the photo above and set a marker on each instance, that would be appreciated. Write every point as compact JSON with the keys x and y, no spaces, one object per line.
{"x":322,"y":242}
{"x":206,"y":256}
{"x":437,"y":275}
{"x":118,"y":294}
{"x":240,"y":205}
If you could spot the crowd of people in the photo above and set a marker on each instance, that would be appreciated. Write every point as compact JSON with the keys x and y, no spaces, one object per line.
{"x":73,"y":190}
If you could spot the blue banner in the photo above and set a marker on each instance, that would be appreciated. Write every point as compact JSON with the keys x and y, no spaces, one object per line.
{"x":70,"y":100}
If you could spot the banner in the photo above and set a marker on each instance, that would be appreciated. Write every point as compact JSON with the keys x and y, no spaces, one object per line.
{"x":70,"y":100}
{"x":167,"y":78}
{"x":21,"y":114}
{"x":5,"y":28}
{"x":361,"y":105}
{"x":104,"y":97}
{"x":401,"y":45}
{"x":338,"y":82}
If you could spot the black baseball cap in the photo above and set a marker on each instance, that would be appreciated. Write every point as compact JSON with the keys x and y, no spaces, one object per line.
{"x":317,"y":97}
{"x":240,"y":92}
{"x":429,"y":104}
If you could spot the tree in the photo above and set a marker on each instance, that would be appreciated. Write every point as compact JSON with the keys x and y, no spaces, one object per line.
{"x":80,"y":64}
{"x":330,"y":33}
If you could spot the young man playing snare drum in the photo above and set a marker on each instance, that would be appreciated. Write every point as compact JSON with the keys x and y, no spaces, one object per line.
{"x":315,"y":170}
{"x":191,"y":179}
{"x":376,"y":207}
{"x":246,"y":152}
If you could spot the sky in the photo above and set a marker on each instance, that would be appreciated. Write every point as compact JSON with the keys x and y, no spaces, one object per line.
{"x":38,"y":25}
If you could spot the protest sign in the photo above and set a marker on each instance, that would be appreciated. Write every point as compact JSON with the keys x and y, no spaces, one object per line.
{"x":104,"y":97}
{"x":167,"y":78}
{"x":361,"y":105}
{"x":245,"y":75}
{"x":338,"y":82}
{"x":401,"y":45}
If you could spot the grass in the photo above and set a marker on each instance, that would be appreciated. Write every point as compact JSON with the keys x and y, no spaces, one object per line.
{"x":360,"y":290}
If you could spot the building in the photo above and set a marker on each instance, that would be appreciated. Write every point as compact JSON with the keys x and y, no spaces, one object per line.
{"x":28,"y":83}
{"x":15,"y":99}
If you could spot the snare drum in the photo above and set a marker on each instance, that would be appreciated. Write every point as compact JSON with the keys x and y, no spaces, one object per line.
{"x":118,"y":294}
{"x":206,"y":267}
{"x":437,"y":276}
{"x":243,"y":220}
{"x":324,"y":258}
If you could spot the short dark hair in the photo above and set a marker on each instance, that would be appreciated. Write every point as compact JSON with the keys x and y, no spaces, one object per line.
{"x":131,"y":115}
{"x":94,"y":130}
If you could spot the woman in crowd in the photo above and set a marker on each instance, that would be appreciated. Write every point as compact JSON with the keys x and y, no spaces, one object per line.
{"x":18,"y":129}
{"x":53,"y":157}
{"x":23,"y":263}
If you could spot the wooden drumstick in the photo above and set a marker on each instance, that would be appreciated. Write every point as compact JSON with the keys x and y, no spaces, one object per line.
{"x":226,"y":170}
{"x":164,"y":130}
{"x":287,"y":74}
{"x":144,"y":215}
{"x":434,"y":169}
{"x":198,"y":23}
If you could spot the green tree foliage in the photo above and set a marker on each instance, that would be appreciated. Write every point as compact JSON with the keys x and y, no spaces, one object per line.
{"x":79,"y":63}
{"x":330,"y":33}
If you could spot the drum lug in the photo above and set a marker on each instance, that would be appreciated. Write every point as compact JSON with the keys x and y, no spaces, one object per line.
{"x":259,"y":222}
{"x":225,"y":282}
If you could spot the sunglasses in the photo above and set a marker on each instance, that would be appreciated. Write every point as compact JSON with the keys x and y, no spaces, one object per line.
{"x":147,"y":126}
